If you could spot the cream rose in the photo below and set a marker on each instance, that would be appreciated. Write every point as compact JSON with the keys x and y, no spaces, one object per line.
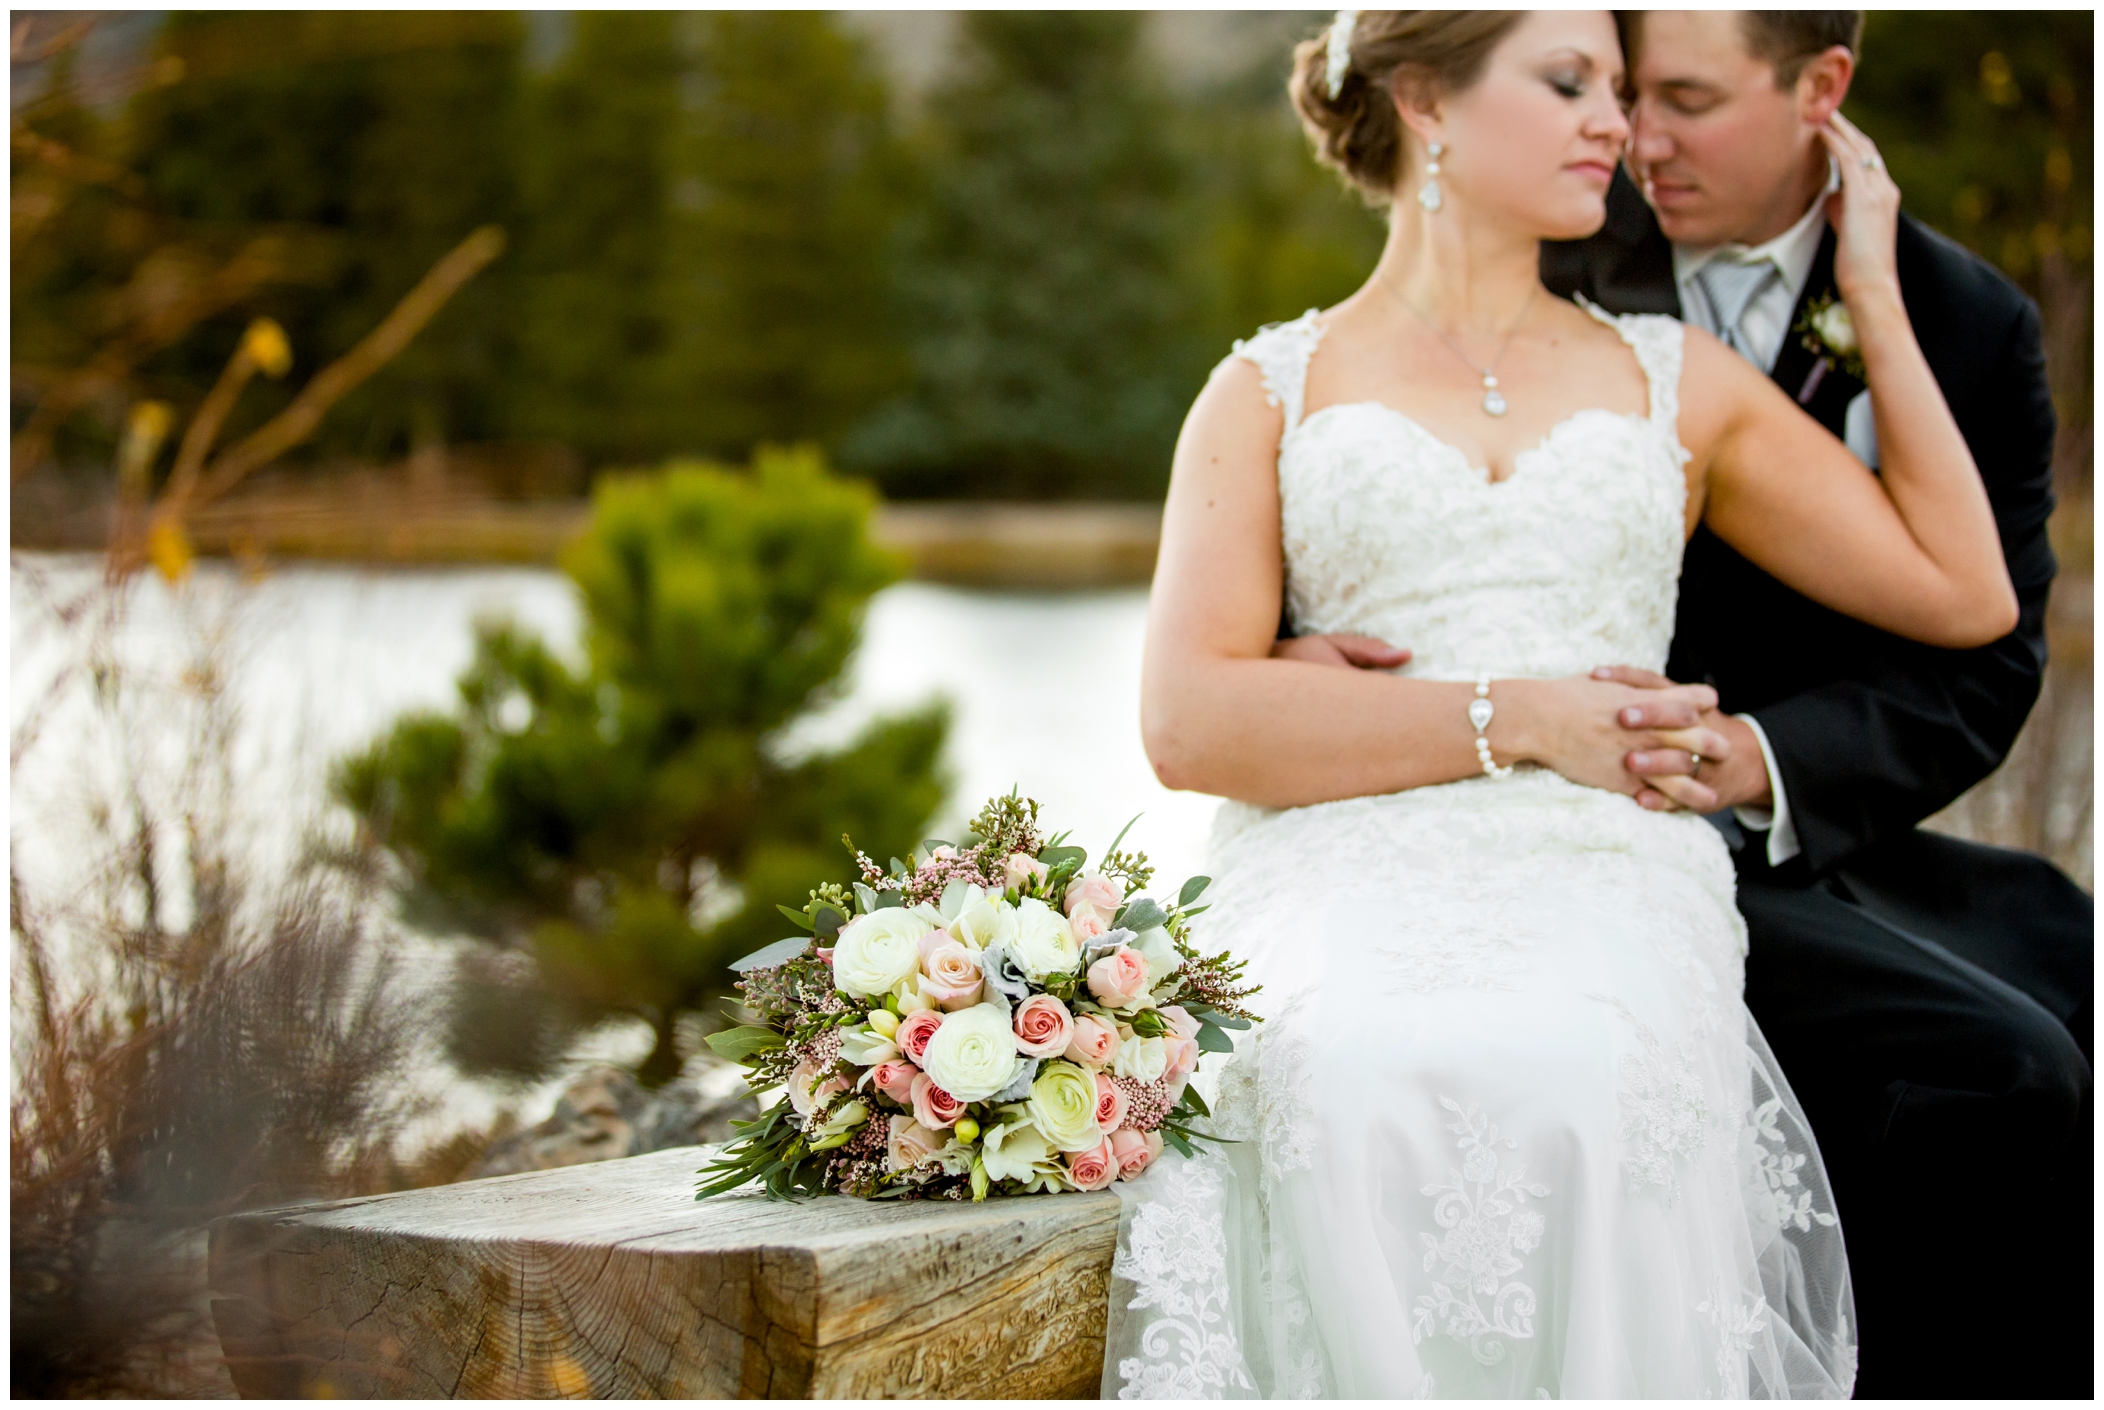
{"x":1063,"y":1104}
{"x":1094,"y":1168}
{"x":1088,"y":924}
{"x":950,"y":976}
{"x":1021,"y":869}
{"x":895,"y":1080}
{"x":1119,"y":979}
{"x":1094,"y":890}
{"x":1135,"y":1150}
{"x":1110,"y":1103}
{"x":1044,"y":942}
{"x":878,"y":951}
{"x":1141,"y":1059}
{"x":1043,"y":1027}
{"x":809,"y":1087}
{"x":973,"y":1054}
{"x":911,"y":1143}
{"x":932,"y":1106}
{"x":915,"y":1032}
{"x":1095,"y":1041}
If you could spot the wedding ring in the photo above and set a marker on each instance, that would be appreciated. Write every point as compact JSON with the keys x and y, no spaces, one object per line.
{"x":1872,"y":163}
{"x":1694,"y":763}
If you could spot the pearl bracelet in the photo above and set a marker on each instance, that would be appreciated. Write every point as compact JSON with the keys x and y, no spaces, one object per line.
{"x":1480,"y":711}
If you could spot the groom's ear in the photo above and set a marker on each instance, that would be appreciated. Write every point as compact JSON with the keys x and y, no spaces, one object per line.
{"x":1822,"y":84}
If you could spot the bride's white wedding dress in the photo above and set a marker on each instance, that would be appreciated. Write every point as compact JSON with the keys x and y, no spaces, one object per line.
{"x":1508,"y":1130}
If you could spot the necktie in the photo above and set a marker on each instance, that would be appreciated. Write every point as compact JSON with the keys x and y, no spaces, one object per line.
{"x":1731,"y":287}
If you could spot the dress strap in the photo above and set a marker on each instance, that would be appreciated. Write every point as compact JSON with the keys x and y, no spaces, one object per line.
{"x":1281,"y":352}
{"x":1657,"y":341}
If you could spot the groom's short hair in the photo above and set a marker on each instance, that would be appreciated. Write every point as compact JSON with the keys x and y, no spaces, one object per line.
{"x":1786,"y":40}
{"x":1790,"y":39}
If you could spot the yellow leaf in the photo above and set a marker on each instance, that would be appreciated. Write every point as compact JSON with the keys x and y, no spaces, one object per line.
{"x":168,"y":548}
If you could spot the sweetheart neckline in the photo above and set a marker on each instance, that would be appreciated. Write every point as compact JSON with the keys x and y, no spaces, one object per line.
{"x":1479,"y":473}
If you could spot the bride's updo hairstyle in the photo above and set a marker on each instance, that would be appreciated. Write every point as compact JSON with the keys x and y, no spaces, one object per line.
{"x":1358,"y":132}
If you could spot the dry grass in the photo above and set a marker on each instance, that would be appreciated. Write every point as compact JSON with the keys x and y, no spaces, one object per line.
{"x":190,"y":1038}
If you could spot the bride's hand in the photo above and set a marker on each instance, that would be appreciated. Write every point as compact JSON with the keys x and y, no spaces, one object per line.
{"x":1864,"y":214}
{"x":1340,"y":649}
{"x":1575,"y":725}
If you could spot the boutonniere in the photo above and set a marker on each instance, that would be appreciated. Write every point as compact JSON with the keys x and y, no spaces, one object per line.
{"x":1827,"y":329}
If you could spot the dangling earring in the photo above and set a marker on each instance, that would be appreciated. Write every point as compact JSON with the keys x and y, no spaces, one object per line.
{"x":1428,"y":194}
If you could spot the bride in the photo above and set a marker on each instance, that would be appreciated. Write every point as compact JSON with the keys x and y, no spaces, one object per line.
{"x":1509,"y":1130}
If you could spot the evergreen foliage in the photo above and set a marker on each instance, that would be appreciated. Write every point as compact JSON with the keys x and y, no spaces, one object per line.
{"x":615,"y":832}
{"x":1049,"y":333}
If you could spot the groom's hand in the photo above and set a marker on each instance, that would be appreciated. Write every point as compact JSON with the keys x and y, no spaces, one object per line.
{"x":1340,"y":649}
{"x":1738,"y":778}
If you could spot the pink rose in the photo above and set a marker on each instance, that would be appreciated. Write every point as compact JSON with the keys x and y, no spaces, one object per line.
{"x":1089,"y":924}
{"x":807,"y":1093}
{"x":915,"y":1029}
{"x":1043,"y":1027}
{"x":944,"y":853}
{"x":950,"y":976}
{"x":1099,"y":892}
{"x":910,"y":1143}
{"x":1110,"y":1103}
{"x":1180,"y":1022}
{"x":1094,"y":1168}
{"x":1021,"y":869}
{"x":895,"y":1080}
{"x":1182,"y":1055}
{"x":1119,"y":977}
{"x":932,"y":1106}
{"x":1095,"y":1042}
{"x":1135,"y":1150}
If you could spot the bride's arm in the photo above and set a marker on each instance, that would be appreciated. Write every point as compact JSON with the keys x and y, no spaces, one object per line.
{"x":1220,"y":715}
{"x":1915,"y":551}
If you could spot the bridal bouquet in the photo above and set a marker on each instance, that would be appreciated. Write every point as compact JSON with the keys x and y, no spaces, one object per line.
{"x":988,"y":1016}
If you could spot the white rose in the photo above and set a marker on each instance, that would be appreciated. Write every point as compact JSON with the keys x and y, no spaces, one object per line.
{"x":1141,"y":1059}
{"x":878,"y":951}
{"x":984,"y":921}
{"x":973,"y":1055}
{"x":865,"y":1047}
{"x":1044,"y":942}
{"x":1159,"y":951}
{"x":1836,"y":328}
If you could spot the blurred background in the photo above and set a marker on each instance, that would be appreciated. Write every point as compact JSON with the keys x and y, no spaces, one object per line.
{"x":495,"y":496}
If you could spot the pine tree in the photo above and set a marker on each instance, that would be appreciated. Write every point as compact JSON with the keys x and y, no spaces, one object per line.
{"x":614,"y":834}
{"x":786,"y":194}
{"x":381,"y":140}
{"x":1038,"y":286}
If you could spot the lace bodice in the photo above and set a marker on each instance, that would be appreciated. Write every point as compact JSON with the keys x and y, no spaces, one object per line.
{"x":1571,"y":562}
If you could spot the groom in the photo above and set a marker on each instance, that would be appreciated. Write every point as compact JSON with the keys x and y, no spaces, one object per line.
{"x":1929,"y":999}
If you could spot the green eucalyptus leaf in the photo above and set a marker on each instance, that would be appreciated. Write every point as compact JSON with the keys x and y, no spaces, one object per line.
{"x":890,"y":900}
{"x":798,"y":917}
{"x":1212,"y":1040}
{"x":1058,"y":856}
{"x":829,"y":923}
{"x":865,"y":898}
{"x":737,"y":1044}
{"x":768,"y":956}
{"x":1193,"y":889}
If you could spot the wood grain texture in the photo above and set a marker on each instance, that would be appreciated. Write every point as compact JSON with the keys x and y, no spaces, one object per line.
{"x":611,"y":1280}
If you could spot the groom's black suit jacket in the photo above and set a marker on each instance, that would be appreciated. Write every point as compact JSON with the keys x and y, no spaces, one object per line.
{"x":1928,"y":998}
{"x":1871,"y":733}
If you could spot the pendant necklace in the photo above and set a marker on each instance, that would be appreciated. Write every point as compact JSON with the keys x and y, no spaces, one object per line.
{"x":1493,"y":399}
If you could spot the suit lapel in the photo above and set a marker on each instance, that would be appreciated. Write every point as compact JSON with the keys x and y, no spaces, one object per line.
{"x":1813,"y":381}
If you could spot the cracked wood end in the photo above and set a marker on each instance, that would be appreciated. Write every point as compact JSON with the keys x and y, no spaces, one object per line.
{"x":611,"y":1280}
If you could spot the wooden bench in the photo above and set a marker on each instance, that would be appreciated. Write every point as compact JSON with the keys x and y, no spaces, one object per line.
{"x":611,"y":1280}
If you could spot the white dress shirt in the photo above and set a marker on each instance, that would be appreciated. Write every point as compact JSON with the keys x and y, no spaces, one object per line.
{"x":1763,"y":327}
